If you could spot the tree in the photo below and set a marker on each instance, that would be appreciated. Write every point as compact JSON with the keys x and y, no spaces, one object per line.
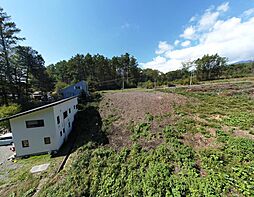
{"x":99,"y":71}
{"x":8,"y":41}
{"x":32,"y":74}
{"x":210,"y":67}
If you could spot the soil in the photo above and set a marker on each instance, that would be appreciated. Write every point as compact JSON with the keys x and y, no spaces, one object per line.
{"x":131,"y":108}
{"x":226,"y":89}
{"x":197,"y":141}
{"x":242,"y":133}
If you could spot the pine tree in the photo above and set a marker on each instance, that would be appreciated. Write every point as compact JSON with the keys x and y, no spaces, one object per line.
{"x":8,"y":41}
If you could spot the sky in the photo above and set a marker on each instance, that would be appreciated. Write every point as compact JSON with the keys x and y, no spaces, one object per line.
{"x":161,"y":34}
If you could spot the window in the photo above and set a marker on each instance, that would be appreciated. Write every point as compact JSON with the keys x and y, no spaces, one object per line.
{"x":69,"y":124}
{"x":58,"y":120}
{"x":77,"y":87}
{"x":25,"y":143}
{"x":73,"y":106}
{"x":69,"y":110}
{"x":47,"y":140}
{"x":65,"y":114}
{"x":34,"y":123}
{"x":61,"y":133}
{"x":63,"y":130}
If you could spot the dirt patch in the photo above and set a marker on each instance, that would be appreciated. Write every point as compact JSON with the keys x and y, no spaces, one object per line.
{"x":197,"y":141}
{"x":132,"y":108}
{"x":226,"y":89}
{"x":242,"y":133}
{"x":212,"y":131}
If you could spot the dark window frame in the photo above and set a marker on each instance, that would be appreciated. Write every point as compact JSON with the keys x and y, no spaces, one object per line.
{"x":65,"y":114}
{"x":25,"y":143}
{"x":35,"y":123}
{"x":58,"y":119}
{"x":47,"y":140}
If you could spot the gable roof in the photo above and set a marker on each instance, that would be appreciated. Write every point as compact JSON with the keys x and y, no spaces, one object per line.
{"x":37,"y":108}
{"x":82,"y":82}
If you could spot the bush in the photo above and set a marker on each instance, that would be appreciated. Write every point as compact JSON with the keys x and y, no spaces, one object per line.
{"x":60,"y":85}
{"x":6,"y":111}
{"x":186,"y":81}
{"x":148,"y":84}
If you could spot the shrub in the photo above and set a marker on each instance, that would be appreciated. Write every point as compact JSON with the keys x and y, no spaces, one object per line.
{"x":148,"y":84}
{"x":60,"y":85}
{"x":6,"y":111}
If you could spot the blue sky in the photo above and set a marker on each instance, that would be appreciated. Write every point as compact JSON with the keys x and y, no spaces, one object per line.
{"x":160,"y":34}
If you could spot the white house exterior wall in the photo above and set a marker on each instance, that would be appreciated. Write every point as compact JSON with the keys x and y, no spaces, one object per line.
{"x":64,"y":123}
{"x":35,"y":136}
{"x":51,"y":129}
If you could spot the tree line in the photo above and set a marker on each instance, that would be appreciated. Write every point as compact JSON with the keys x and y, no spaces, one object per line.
{"x":23,"y":70}
{"x":100,"y":72}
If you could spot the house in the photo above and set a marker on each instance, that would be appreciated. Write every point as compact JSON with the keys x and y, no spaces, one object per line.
{"x":43,"y":129}
{"x":74,"y":90}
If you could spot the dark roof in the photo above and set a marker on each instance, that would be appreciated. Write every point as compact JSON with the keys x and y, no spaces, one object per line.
{"x":37,"y":108}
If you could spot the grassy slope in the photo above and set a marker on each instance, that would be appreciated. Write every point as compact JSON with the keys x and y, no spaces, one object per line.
{"x":202,"y":153}
{"x":20,"y":182}
{"x":176,"y":167}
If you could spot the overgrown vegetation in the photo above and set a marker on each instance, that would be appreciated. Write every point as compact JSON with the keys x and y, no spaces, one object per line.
{"x":191,"y":161}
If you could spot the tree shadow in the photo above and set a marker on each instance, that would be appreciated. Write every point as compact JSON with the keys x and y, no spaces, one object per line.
{"x":87,"y":127}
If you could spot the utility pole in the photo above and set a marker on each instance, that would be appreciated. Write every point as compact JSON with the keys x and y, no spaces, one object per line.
{"x":123,"y":79}
{"x":191,"y":78}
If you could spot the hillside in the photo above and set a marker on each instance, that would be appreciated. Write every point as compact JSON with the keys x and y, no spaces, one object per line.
{"x":185,"y":141}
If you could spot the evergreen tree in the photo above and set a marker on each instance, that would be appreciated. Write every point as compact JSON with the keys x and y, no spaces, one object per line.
{"x":8,"y":41}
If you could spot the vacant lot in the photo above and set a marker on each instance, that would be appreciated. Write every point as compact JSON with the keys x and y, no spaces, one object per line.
{"x":191,"y":141}
{"x":123,"y":112}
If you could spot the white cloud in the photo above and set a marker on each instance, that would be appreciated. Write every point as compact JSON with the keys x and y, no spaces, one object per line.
{"x":208,"y":20}
{"x":192,"y":19}
{"x":162,"y":64}
{"x":188,"y":33}
{"x":176,"y":42}
{"x":223,"y":7}
{"x":163,"y":47}
{"x":248,"y":12}
{"x":185,"y":43}
{"x":231,"y":37}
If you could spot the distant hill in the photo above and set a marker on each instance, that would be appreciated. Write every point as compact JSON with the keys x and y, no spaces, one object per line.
{"x":243,"y":62}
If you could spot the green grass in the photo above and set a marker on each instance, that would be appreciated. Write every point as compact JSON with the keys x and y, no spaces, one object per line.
{"x":174,"y":168}
{"x":21,"y":182}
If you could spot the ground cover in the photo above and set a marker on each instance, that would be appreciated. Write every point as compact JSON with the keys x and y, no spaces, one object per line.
{"x":190,"y":141}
